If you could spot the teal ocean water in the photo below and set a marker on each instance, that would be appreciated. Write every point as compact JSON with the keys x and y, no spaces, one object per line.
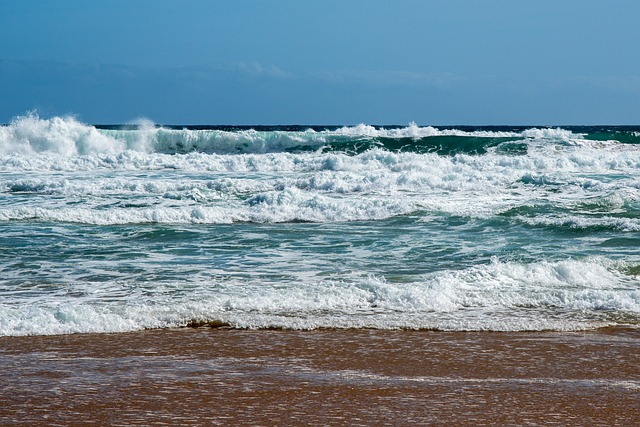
{"x":120,"y":228}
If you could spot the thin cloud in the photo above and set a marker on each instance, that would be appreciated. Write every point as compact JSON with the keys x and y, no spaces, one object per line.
{"x":625,"y":84}
{"x":256,"y":69}
{"x":441,"y":80}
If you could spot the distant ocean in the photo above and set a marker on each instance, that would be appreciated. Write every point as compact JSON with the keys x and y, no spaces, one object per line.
{"x":122,"y":228}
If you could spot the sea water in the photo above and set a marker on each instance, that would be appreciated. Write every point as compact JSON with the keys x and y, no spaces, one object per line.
{"x":120,"y":228}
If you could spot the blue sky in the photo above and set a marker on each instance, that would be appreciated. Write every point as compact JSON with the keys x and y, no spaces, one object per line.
{"x":322,"y":62}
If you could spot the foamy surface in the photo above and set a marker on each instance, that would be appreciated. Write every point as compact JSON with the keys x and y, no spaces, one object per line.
{"x":115,"y":229}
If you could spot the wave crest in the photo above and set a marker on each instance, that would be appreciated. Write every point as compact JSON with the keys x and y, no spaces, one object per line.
{"x":67,"y":136}
{"x":61,"y":135}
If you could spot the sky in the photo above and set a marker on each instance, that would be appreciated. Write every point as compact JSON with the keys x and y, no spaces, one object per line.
{"x":242,"y":62}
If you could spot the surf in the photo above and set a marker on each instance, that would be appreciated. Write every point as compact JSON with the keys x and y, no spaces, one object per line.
{"x":67,"y":136}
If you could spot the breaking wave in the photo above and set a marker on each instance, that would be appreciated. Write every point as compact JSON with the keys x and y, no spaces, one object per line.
{"x":67,"y":136}
{"x":500,"y":296}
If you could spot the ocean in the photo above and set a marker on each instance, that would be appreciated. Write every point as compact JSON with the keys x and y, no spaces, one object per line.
{"x":464,"y":228}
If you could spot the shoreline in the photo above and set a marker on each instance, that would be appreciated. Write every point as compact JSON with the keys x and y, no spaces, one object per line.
{"x":220,"y":376}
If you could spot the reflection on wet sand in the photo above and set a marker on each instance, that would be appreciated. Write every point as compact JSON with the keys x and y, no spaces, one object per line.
{"x":339,"y":377}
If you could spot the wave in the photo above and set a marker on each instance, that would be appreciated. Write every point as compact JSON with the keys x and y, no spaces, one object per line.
{"x":540,"y":158}
{"x":66,"y":136}
{"x":290,"y":205}
{"x":60,"y":135}
{"x":500,"y":296}
{"x":60,"y":170}
{"x":577,"y":191}
{"x":582,"y":223}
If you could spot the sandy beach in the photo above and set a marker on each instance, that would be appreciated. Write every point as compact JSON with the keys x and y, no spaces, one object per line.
{"x":325,"y":377}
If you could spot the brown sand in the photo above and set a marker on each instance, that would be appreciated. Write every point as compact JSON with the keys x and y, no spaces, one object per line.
{"x":328,"y":377}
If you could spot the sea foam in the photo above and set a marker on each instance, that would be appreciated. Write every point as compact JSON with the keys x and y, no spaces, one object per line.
{"x":137,"y":187}
{"x":486,"y":297}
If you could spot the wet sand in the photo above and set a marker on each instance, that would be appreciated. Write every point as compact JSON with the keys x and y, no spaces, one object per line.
{"x":328,"y":377}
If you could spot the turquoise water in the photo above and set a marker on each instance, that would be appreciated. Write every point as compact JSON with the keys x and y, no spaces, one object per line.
{"x":111,"y":229}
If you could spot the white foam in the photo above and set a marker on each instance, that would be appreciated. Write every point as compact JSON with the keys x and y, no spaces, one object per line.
{"x":566,"y":295}
{"x":274,"y":187}
{"x":63,"y":136}
{"x":66,"y":136}
{"x":274,"y":206}
{"x":540,"y":159}
{"x":581,"y":222}
{"x":416,"y":132}
{"x":551,"y":133}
